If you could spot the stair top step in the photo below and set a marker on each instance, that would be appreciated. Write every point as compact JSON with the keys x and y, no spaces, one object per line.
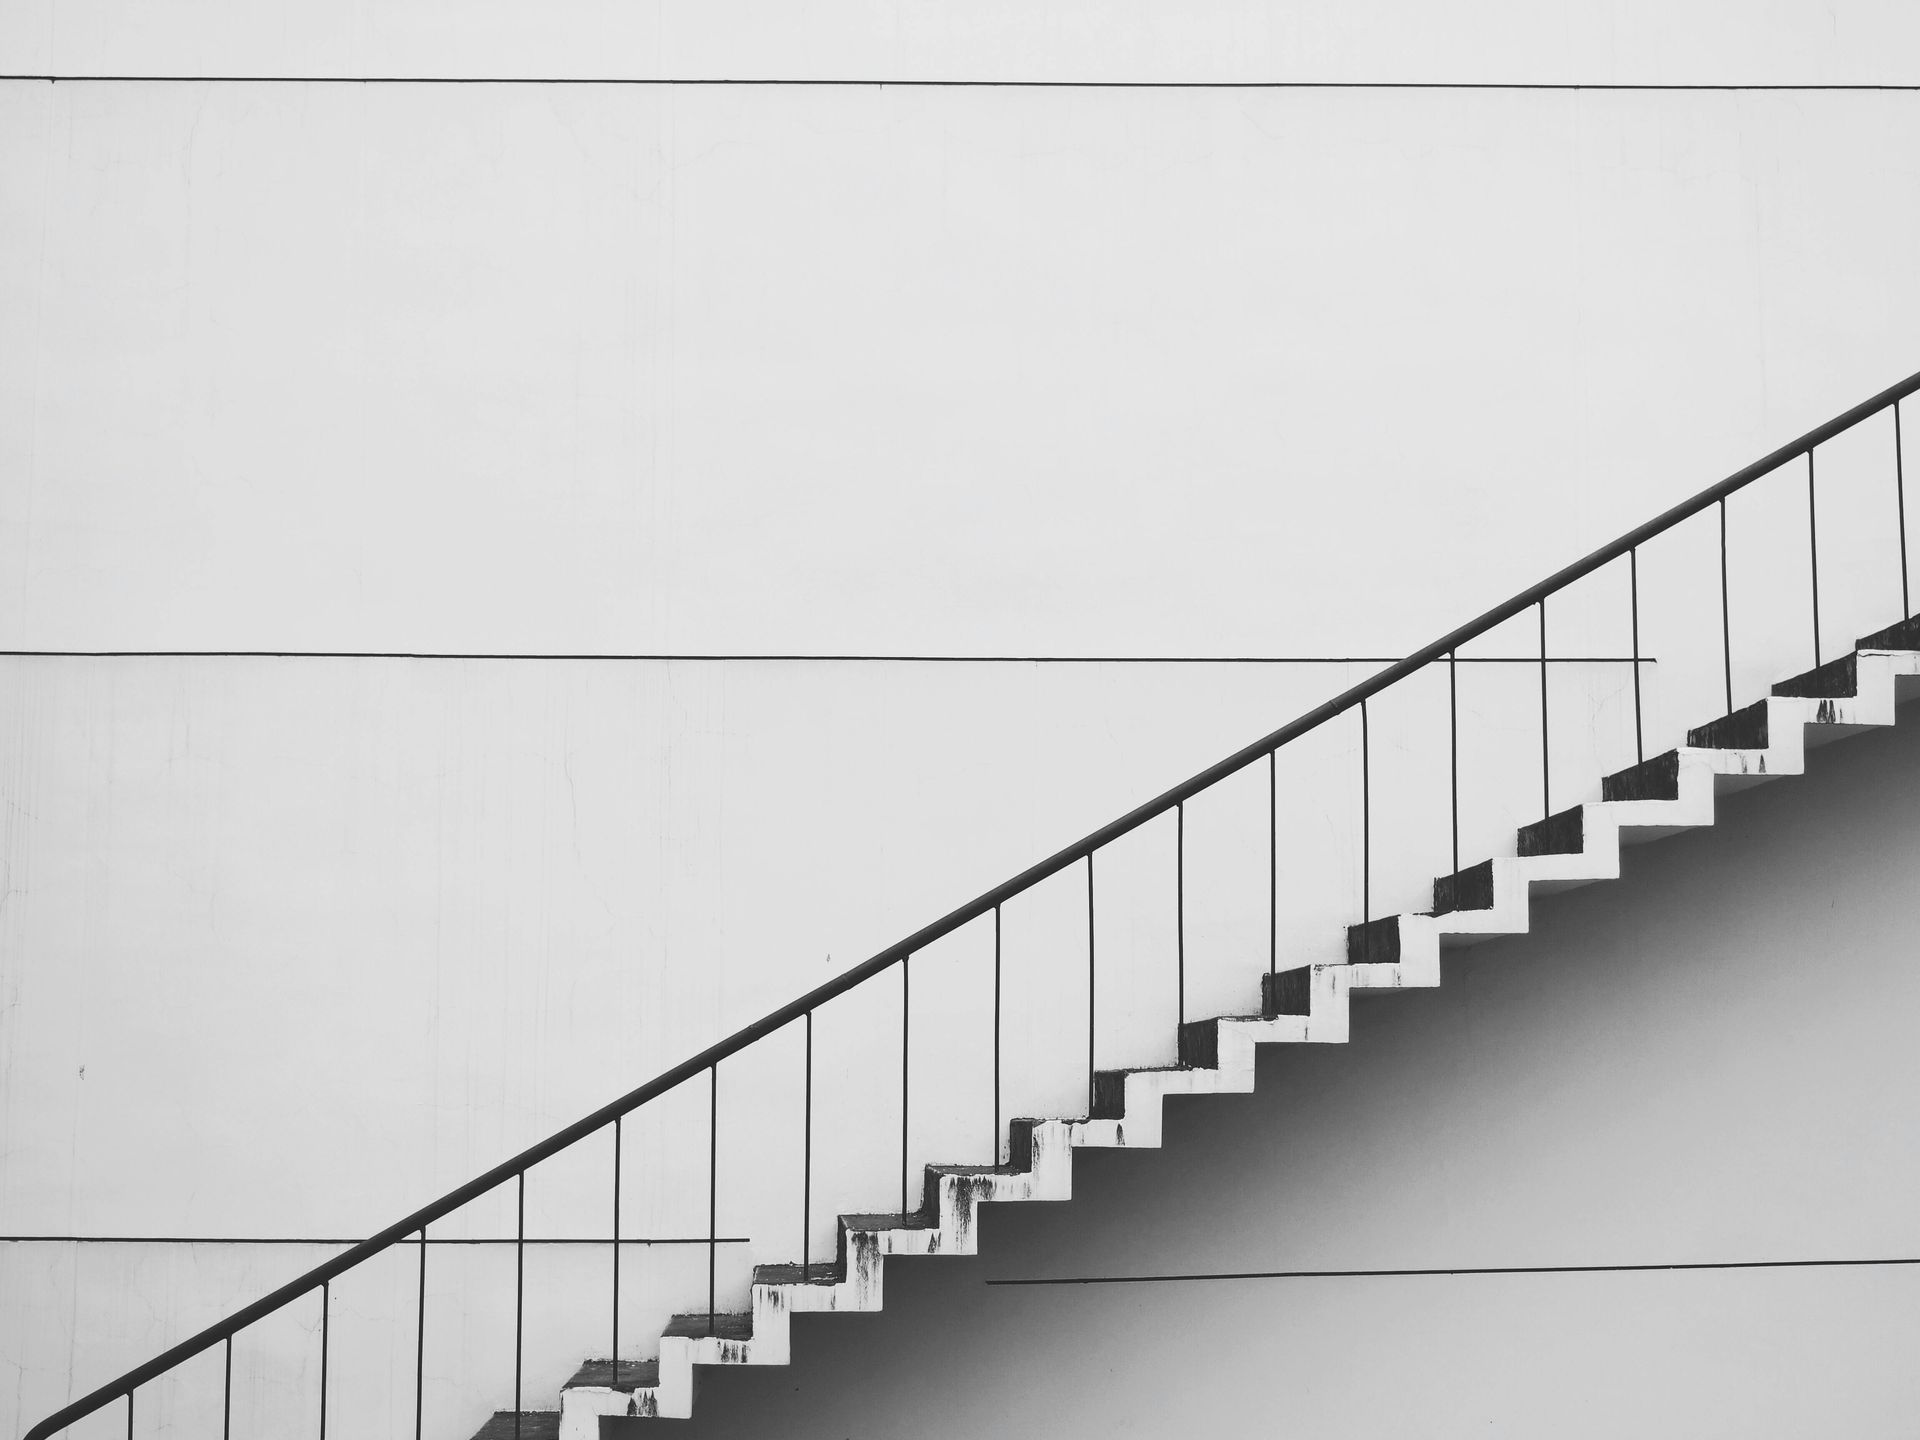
{"x":629,"y":1375}
{"x":703,"y":1326}
{"x":533,"y":1425}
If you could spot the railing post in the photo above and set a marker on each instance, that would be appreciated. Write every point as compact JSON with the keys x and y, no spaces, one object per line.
{"x":1900,"y":499}
{"x":1546,"y":763}
{"x":1813,"y":558}
{"x":806,"y":1160}
{"x":1180,"y":914}
{"x":519,"y":1290}
{"x":1453,"y":752}
{"x":1633,"y":600}
{"x":613,"y":1345}
{"x":713,"y":1190}
{"x":1366,"y":838}
{"x":420,"y":1344}
{"x":226,"y":1395}
{"x":1273,"y":864}
{"x":326,"y":1320}
{"x":906,"y":1088}
{"x":996,"y":1035}
{"x":1090,"y":985}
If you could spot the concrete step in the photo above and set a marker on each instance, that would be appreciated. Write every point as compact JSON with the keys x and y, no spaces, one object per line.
{"x":719,"y":1325}
{"x":521,"y":1425}
{"x":1662,"y":795}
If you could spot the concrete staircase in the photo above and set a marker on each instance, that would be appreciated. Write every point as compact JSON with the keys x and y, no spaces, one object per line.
{"x":1665,"y":794}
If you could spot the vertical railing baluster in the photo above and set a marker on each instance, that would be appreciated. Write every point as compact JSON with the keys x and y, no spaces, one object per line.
{"x":1366,"y":839}
{"x":1180,"y":914}
{"x":420,"y":1344}
{"x":1453,"y":751}
{"x":1546,"y":763}
{"x":1900,"y":498}
{"x":1813,"y":559}
{"x":226,"y":1396}
{"x":1090,"y":985}
{"x":129,"y":1415}
{"x":1726,"y":611}
{"x":1273,"y":865}
{"x":713,"y":1191}
{"x":613,"y":1345}
{"x":519,"y":1290}
{"x":1633,"y":595}
{"x":326,"y":1324}
{"x":806,"y":1161}
{"x":906,"y":1035}
{"x":996,"y":1034}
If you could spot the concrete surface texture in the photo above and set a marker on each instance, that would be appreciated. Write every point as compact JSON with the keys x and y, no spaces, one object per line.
{"x":291,"y":945}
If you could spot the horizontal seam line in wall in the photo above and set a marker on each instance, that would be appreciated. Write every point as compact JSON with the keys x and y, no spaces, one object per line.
{"x":863,"y":659}
{"x":1459,"y":1270}
{"x":409,"y":1240}
{"x":1863,"y":87}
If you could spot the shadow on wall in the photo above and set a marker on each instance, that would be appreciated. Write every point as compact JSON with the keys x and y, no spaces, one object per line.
{"x":1708,"y":1062}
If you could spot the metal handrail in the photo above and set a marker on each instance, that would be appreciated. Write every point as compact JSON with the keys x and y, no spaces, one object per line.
{"x":981,"y":905}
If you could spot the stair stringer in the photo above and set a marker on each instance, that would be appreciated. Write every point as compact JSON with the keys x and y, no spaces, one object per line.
{"x":947,"y":1223}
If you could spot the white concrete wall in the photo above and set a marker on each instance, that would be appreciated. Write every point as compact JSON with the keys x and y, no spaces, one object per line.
{"x":290,"y":945}
{"x":899,"y":371}
{"x":1629,"y":41}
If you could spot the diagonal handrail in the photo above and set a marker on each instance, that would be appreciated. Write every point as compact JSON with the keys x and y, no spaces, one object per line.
{"x":953,"y":920}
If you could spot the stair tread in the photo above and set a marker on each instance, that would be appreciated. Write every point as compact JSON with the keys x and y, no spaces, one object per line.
{"x":1374,"y":942}
{"x":1902,"y":636}
{"x":534,"y":1425}
{"x":814,"y":1274}
{"x":1837,"y":679}
{"x":722,"y":1325}
{"x":1655,"y":778}
{"x":975,"y":1170}
{"x":915,"y":1221}
{"x":1470,"y":888}
{"x":1742,"y":729}
{"x":632,"y":1375}
{"x":1110,"y":1088}
{"x":1563,"y":833}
